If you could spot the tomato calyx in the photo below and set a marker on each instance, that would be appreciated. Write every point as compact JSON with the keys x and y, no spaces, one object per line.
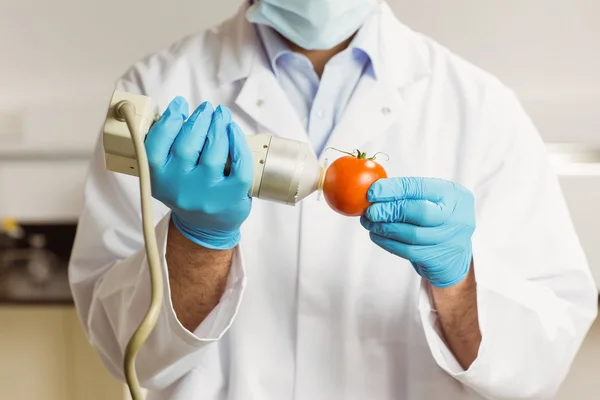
{"x":359,"y":154}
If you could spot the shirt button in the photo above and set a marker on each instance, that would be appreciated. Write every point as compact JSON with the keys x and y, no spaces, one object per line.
{"x":320,"y":113}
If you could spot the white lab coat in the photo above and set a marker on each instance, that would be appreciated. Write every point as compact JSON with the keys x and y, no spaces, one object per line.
{"x":313,"y":309}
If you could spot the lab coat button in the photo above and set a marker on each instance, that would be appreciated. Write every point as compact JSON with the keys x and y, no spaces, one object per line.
{"x":260,"y":102}
{"x":385,"y":111}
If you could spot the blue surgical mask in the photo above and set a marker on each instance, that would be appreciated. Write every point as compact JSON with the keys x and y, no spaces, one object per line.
{"x":312,"y":24}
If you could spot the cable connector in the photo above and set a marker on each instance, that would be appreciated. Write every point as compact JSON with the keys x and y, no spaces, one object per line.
{"x":119,"y":151}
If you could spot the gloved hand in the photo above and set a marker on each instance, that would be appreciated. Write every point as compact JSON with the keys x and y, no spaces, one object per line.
{"x":426,"y":221}
{"x":187,"y":162}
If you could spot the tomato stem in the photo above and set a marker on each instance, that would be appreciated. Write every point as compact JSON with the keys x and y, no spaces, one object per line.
{"x":345,"y":152}
{"x":375,"y":155}
{"x":358,"y":154}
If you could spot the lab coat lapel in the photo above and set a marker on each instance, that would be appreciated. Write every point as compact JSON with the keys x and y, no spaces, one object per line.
{"x":243,"y":59}
{"x":263,"y":99}
{"x":377,"y":104}
{"x":374,"y":107}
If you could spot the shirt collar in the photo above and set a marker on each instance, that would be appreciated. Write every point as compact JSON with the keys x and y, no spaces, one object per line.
{"x":274,"y":45}
{"x":401,"y":57}
{"x":366,"y":41}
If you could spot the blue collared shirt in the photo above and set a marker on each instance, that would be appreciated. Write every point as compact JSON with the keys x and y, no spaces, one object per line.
{"x":320,"y":104}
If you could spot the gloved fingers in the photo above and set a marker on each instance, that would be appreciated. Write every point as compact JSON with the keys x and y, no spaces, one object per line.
{"x":390,"y":189}
{"x":415,"y":212}
{"x":420,"y":256}
{"x":409,"y":252}
{"x":242,"y":165}
{"x":191,"y":138}
{"x":216,"y":148}
{"x":410,"y":234}
{"x":161,"y":136}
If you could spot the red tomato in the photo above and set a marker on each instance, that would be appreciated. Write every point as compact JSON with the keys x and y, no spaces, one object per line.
{"x":347,"y":181}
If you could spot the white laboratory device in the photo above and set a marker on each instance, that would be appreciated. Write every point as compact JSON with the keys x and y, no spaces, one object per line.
{"x":285,"y":171}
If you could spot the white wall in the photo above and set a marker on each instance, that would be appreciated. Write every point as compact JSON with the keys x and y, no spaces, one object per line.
{"x":59,"y":60}
{"x":58,"y":63}
{"x":548,"y":50}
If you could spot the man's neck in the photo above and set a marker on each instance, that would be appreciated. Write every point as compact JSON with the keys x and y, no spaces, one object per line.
{"x":320,"y":58}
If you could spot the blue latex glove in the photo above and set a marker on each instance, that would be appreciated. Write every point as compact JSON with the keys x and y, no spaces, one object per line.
{"x":426,"y":221}
{"x":187,"y":161}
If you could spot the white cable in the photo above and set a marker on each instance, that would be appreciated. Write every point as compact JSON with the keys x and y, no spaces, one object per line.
{"x":125,"y":111}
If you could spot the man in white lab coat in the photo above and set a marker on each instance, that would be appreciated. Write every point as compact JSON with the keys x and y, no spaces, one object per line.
{"x":464,"y":280}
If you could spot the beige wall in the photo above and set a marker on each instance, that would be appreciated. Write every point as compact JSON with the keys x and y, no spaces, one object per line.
{"x":44,"y":355}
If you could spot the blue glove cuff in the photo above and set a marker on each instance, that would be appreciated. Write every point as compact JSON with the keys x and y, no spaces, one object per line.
{"x":450,"y":281}
{"x":210,"y":239}
{"x":444,"y":285}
